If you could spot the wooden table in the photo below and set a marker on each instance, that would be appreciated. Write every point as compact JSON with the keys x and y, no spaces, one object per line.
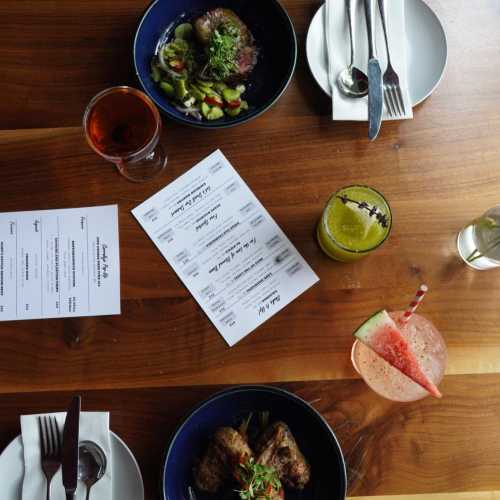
{"x":162,"y":355}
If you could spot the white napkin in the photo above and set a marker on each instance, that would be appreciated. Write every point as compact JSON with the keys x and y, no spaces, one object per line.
{"x":339,"y":53}
{"x":93,"y":427}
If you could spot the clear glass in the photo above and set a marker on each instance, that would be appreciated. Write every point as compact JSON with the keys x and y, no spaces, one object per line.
{"x":478,"y":243}
{"x":356,"y":220}
{"x":428,"y":346}
{"x":123,"y":126}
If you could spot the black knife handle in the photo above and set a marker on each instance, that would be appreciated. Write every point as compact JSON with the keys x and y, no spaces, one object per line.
{"x":370,"y":27}
{"x":70,"y":495}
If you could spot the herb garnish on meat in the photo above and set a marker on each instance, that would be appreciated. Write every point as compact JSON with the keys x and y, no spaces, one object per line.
{"x":259,"y":480}
{"x":222,"y":52}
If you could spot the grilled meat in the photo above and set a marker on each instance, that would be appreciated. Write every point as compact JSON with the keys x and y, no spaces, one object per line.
{"x":277,"y":448}
{"x":245,"y":51}
{"x":225,"y":452}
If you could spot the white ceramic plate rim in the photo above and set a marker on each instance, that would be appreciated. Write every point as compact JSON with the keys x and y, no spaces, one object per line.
{"x":435,"y":84}
{"x":17,"y":441}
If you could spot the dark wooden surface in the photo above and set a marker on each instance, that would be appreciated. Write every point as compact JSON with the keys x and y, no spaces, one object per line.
{"x":391,"y":449}
{"x":438,"y":171}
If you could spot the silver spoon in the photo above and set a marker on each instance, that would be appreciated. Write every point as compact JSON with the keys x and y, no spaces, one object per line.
{"x":352,"y":81}
{"x":91,"y":464}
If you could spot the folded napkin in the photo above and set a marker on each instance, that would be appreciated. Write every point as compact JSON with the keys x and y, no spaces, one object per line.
{"x":339,"y":53}
{"x":93,"y":427}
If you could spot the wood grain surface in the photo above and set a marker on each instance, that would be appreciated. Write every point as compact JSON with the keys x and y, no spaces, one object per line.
{"x":391,"y":449}
{"x":438,"y":171}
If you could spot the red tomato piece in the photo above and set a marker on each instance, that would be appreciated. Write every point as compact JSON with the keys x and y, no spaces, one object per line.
{"x":213,"y":101}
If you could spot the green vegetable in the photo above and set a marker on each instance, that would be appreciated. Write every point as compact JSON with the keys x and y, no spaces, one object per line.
{"x":197,"y":93}
{"x":215,"y":113}
{"x":184,"y":30}
{"x":180,"y":89}
{"x":178,"y":71}
{"x":168,"y":88}
{"x":222,"y":52}
{"x":205,"y":83}
{"x":155,"y":73}
{"x":230,"y":95}
{"x":232,"y":112}
{"x":220,"y":86}
{"x":205,"y":109}
{"x":257,"y":479}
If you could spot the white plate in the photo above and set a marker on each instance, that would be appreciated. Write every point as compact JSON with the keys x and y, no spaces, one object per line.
{"x":127,"y":480}
{"x":426,"y":48}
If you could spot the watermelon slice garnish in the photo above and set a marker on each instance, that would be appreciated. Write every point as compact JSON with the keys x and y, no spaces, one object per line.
{"x":381,"y":334}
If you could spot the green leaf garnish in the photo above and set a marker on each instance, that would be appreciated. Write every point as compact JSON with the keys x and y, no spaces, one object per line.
{"x":257,"y":479}
{"x":222,"y":52}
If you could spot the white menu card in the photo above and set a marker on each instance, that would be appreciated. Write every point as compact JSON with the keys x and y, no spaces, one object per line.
{"x":59,"y":263}
{"x":225,"y":247}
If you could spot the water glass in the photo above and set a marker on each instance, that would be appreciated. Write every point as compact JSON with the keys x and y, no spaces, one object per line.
{"x":479,"y":242}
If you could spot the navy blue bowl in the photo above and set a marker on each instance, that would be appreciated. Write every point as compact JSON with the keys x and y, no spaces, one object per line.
{"x":228,"y":408}
{"x":274,"y":35}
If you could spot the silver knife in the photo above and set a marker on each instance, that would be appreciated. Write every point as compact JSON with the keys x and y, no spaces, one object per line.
{"x":375,"y":100}
{"x":70,"y":448}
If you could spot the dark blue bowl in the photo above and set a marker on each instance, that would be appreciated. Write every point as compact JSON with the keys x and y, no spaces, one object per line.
{"x":274,"y":35}
{"x":313,"y":434}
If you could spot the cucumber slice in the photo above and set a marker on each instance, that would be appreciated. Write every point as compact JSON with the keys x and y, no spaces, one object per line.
{"x":233,"y":112}
{"x":197,"y":93}
{"x":230,"y":95}
{"x":168,"y":88}
{"x":180,"y":89}
{"x":215,"y":113}
{"x":184,"y":31}
{"x":205,"y":109}
{"x":220,"y":86}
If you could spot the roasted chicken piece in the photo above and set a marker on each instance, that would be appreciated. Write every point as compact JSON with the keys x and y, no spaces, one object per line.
{"x":245,"y":55}
{"x":277,"y":448}
{"x":226,"y":451}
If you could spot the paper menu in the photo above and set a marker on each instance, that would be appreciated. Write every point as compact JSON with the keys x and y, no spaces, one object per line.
{"x":225,"y":247}
{"x":59,"y":263}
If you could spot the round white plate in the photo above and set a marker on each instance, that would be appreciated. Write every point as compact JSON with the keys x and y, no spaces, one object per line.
{"x":127,"y":479}
{"x":426,"y":48}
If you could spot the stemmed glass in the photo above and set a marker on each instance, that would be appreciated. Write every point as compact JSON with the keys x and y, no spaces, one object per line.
{"x":123,"y":126}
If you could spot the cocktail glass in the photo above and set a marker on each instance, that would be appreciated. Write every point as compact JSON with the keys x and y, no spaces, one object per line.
{"x":426,"y":343}
{"x":356,"y":220}
{"x":123,"y":126}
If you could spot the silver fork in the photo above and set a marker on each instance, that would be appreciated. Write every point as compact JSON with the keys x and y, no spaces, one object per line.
{"x":50,"y":439}
{"x":393,"y":96}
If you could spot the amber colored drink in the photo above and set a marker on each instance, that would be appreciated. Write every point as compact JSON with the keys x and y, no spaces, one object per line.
{"x":121,"y":123}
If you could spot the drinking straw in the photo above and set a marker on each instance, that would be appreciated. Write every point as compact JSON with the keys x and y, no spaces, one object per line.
{"x":413,"y":305}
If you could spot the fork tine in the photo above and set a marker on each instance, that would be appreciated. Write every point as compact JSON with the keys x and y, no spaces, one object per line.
{"x":53,"y":435}
{"x":401,"y":100}
{"x":42,"y":436}
{"x":390,"y":98}
{"x":395,"y":100}
{"x":388,"y":104}
{"x":59,"y":439}
{"x":46,"y":422}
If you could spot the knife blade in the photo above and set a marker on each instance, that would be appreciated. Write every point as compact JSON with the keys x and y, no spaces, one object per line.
{"x":70,"y":448}
{"x":375,"y":99}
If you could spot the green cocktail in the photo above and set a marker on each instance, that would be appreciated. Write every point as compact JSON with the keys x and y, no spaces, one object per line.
{"x":355,"y":221}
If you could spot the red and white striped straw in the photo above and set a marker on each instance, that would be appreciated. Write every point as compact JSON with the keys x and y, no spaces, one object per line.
{"x":413,"y":305}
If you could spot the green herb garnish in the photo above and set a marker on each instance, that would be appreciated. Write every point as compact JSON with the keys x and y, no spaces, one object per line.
{"x":258,"y":480}
{"x":222,"y":52}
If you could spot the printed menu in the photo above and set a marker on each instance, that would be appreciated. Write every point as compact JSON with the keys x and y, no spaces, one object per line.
{"x":59,"y":263}
{"x":225,"y":247}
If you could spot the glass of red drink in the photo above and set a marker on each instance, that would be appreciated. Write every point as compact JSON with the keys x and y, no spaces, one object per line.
{"x":123,"y":126}
{"x":426,"y":343}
